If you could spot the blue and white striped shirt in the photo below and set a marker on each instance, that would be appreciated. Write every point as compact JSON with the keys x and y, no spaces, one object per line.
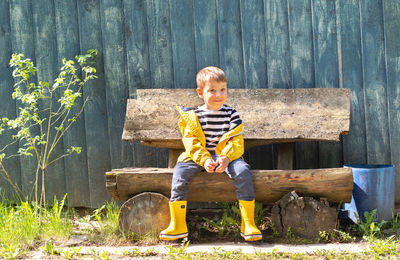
{"x":216,"y":123}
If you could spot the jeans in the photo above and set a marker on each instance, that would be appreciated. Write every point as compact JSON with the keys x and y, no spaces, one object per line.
{"x":238,"y":170}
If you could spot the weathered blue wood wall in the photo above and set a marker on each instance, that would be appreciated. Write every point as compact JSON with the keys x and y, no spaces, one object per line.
{"x":163,"y":43}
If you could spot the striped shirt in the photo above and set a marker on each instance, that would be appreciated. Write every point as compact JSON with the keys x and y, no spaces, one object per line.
{"x":216,"y":123}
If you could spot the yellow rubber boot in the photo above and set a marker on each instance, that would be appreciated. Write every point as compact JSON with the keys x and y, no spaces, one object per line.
{"x":177,"y":226}
{"x":248,"y":229}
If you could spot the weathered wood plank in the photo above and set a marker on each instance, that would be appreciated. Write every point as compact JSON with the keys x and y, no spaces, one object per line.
{"x":392,"y":25}
{"x":206,"y":33}
{"x":21,"y":20}
{"x":7,"y":103}
{"x":230,"y":42}
{"x":336,"y":184}
{"x":277,"y":44}
{"x":255,"y":65}
{"x":112,"y":23}
{"x":269,"y":114}
{"x":161,"y":63}
{"x":77,"y":182}
{"x":354,"y":144}
{"x":183,"y":45}
{"x":160,"y":49}
{"x":278,"y":51}
{"x":97,"y":142}
{"x":46,"y":61}
{"x":326,"y":68}
{"x":374,"y":72}
{"x":138,"y":67}
{"x":302,"y":64}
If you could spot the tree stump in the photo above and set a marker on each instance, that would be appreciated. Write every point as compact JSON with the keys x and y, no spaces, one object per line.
{"x":145,"y":213}
{"x":305,"y":216}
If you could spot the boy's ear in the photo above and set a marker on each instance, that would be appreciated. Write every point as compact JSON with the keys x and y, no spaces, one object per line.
{"x":199,"y":92}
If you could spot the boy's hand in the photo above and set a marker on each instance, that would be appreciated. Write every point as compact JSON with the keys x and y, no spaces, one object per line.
{"x":222,"y":162}
{"x":210,"y":165}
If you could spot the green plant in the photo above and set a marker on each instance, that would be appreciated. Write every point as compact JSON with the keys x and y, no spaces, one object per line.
{"x":179,"y":252}
{"x":382,"y":247}
{"x":369,"y":227}
{"x":131,"y":252}
{"x":70,"y":253}
{"x":43,"y":118}
{"x":102,"y":255}
{"x":50,"y":249}
{"x":395,"y":222}
{"x":10,"y":252}
{"x":57,"y":222}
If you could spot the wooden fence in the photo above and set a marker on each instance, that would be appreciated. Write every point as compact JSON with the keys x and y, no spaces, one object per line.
{"x":163,"y":43}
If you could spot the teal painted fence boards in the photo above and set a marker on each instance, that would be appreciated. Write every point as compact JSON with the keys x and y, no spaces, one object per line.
{"x":7,"y":104}
{"x":96,"y":127}
{"x":162,"y":44}
{"x":77,"y":180}
{"x":230,"y":41}
{"x":115,"y":79}
{"x":22,"y":41}
{"x":206,"y":33}
{"x":392,"y":36}
{"x":46,"y":61}
{"x":302,"y":62}
{"x":326,"y":69}
{"x":374,"y":71}
{"x":349,"y":20}
{"x":183,"y":48}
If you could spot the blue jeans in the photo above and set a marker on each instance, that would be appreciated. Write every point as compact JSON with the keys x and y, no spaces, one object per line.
{"x":238,"y":170}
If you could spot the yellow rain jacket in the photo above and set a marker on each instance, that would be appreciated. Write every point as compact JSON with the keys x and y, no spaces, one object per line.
{"x":230,"y":145}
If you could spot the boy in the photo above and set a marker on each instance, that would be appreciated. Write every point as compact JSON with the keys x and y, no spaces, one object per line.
{"x":212,"y":137}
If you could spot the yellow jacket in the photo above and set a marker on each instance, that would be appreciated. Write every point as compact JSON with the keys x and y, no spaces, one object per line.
{"x":230,"y":145}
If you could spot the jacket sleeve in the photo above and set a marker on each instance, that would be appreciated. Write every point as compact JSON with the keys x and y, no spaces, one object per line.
{"x":197,"y":152}
{"x":234,"y":148}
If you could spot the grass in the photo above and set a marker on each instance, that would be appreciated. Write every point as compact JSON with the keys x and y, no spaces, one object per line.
{"x":23,"y":230}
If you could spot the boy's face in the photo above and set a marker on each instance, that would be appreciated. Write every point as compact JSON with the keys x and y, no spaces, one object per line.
{"x":214,"y":94}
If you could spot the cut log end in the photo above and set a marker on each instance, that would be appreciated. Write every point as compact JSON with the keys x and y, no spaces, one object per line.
{"x":146,"y":213}
{"x":304,"y":216}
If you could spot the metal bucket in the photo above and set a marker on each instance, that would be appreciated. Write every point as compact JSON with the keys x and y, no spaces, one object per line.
{"x":373,"y":189}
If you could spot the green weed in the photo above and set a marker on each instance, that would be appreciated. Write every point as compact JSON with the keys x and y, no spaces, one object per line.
{"x":369,"y":227}
{"x":382,"y":247}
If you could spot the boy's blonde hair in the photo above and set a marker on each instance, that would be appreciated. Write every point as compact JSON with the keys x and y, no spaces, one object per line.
{"x":209,"y":73}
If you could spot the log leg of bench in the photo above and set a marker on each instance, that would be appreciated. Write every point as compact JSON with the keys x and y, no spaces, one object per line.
{"x":173,"y":157}
{"x":285,"y":156}
{"x":145,"y":213}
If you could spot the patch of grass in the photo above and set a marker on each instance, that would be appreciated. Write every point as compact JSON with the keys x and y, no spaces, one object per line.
{"x":22,"y":227}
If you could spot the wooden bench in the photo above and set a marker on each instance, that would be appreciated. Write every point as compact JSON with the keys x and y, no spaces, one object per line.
{"x":280,"y":116}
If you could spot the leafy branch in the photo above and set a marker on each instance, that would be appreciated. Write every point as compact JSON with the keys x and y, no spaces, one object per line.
{"x":42,"y":118}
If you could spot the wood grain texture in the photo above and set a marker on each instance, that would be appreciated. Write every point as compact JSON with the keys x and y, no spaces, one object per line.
{"x":21,"y":22}
{"x":373,"y":60}
{"x":97,"y":136}
{"x":117,"y":91}
{"x":160,"y":48}
{"x":336,"y":184}
{"x":326,"y":69}
{"x":353,"y":79}
{"x":267,"y":114}
{"x":230,"y":41}
{"x":302,"y":67}
{"x":8,"y":104}
{"x":206,"y":33}
{"x":392,"y":23}
{"x":277,"y":44}
{"x":77,"y":180}
{"x":183,"y":43}
{"x":146,"y":213}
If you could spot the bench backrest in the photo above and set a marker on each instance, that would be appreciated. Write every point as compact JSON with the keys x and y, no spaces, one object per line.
{"x":268,"y":115}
